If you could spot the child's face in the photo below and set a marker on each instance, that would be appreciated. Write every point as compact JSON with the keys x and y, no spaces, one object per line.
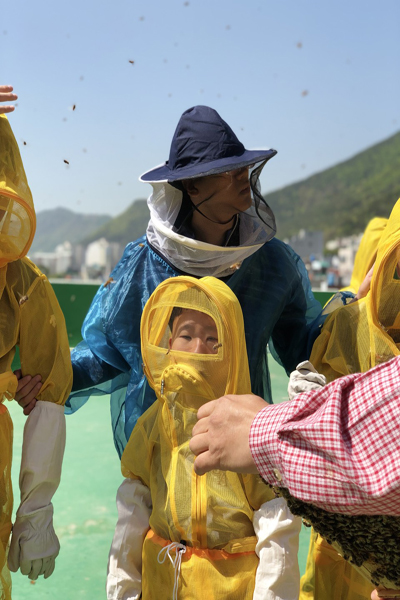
{"x":194,"y":331}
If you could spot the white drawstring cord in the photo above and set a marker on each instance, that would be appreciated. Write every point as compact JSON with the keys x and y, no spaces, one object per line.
{"x":176,"y":563}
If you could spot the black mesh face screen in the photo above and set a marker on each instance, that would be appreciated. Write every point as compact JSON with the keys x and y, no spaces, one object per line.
{"x":260,"y":204}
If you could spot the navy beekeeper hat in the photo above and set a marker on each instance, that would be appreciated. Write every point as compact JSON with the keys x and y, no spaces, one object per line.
{"x":204,"y":144}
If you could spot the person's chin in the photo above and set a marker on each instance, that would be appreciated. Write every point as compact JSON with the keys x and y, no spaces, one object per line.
{"x":246,"y":201}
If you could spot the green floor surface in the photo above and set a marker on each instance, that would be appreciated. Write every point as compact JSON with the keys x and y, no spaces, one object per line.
{"x":84,"y":504}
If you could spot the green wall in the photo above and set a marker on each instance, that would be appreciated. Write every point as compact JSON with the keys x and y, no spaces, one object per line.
{"x":75,"y":299}
{"x":323,"y":297}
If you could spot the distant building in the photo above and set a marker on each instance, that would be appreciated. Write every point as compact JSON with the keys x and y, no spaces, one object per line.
{"x":309,"y":245}
{"x":343,"y":263}
{"x":57,"y":262}
{"x":78,"y":258}
{"x":330,"y":271}
{"x":100,"y":258}
{"x":346,"y":255}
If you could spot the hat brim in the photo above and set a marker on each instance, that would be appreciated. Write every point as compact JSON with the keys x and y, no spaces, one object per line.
{"x":164,"y":173}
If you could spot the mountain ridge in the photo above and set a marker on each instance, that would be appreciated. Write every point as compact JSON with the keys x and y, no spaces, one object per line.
{"x":57,"y":225}
{"x":339,"y":201}
{"x":342,"y":199}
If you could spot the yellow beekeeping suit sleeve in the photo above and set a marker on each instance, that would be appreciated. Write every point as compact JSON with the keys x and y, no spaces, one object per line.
{"x":137,"y":456}
{"x":43,"y":339}
{"x":8,"y":385}
{"x":257,"y":491}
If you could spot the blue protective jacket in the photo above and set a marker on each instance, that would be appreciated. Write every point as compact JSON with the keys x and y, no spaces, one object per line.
{"x":274,"y":292}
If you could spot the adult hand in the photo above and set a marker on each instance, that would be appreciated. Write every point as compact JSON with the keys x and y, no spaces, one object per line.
{"x":28,"y":388}
{"x":6,"y":95}
{"x":221,"y":435}
{"x":381,"y":593}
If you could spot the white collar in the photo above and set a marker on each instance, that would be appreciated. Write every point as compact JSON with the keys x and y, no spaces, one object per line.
{"x":199,"y":258}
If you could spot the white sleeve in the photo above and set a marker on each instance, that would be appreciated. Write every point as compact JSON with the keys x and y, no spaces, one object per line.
{"x":34,"y":544}
{"x":124,"y":573}
{"x":277,"y":531}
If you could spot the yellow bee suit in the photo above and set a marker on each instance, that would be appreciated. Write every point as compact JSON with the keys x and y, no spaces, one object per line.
{"x":30,"y":318}
{"x":211,"y":515}
{"x":354,"y":339}
{"x":366,"y":253}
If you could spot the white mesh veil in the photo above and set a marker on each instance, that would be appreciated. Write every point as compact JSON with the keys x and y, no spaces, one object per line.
{"x":257,"y":226}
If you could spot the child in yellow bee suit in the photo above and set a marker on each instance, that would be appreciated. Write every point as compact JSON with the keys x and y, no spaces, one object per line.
{"x":354,"y":339}
{"x":31,"y":319}
{"x":178,"y":535}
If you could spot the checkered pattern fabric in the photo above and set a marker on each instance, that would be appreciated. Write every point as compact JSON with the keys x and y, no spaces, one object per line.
{"x":338,"y":447}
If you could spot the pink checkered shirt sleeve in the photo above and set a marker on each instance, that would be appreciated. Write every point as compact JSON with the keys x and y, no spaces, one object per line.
{"x":337,"y":447}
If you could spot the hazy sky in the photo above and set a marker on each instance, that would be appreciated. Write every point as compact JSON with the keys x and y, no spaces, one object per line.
{"x":318,"y":81}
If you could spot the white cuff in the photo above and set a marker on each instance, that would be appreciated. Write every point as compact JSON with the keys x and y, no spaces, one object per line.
{"x":277,"y":530}
{"x":124,"y":574}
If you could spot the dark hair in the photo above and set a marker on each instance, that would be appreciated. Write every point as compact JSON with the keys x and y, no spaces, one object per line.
{"x":176,"y":311}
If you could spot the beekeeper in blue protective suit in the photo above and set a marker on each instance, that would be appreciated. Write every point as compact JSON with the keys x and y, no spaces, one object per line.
{"x":207,"y":217}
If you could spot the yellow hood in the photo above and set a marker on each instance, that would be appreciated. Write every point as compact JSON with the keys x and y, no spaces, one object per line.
{"x":206,"y":375}
{"x":17,"y":214}
{"x":384,"y":296}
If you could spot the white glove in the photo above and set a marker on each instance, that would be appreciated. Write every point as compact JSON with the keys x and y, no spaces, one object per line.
{"x":277,"y":531}
{"x":304,"y":379}
{"x":34,"y":544}
{"x":124,"y":573}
